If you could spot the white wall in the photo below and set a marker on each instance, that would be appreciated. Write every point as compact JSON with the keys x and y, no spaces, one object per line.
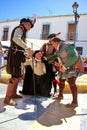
{"x":84,"y":45}
{"x":82,"y":28}
{"x":34,"y":44}
{"x":57,"y":24}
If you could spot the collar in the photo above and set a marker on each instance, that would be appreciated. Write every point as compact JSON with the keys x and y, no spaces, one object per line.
{"x":37,"y":60}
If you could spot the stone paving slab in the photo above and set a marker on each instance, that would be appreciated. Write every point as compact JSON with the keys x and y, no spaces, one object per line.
{"x":24,"y":114}
{"x":57,"y":116}
{"x":50,"y":114}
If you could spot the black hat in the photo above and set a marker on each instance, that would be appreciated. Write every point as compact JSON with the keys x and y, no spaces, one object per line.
{"x":22,"y":20}
{"x":36,"y":52}
{"x":30,"y":21}
{"x":51,"y":35}
{"x":27,"y":20}
{"x":57,"y":40}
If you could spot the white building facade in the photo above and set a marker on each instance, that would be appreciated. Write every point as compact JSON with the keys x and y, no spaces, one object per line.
{"x":53,"y":24}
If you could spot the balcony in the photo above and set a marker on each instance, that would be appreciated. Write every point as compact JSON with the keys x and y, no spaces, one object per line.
{"x":70,"y":36}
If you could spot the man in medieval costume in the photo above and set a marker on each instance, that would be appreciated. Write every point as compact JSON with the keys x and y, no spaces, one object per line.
{"x":16,"y":58}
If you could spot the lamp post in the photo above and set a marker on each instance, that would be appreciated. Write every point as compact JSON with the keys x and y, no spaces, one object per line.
{"x":75,"y":6}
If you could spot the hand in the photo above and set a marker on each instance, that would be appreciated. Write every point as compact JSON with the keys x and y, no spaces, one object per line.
{"x":29,"y":52}
{"x":44,"y":58}
{"x":56,"y":63}
{"x":63,"y":68}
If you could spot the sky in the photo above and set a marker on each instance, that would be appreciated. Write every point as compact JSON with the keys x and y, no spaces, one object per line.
{"x":17,"y":9}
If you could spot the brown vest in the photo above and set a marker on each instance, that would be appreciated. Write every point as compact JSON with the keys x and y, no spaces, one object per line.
{"x":15,"y":57}
{"x":47,"y":49}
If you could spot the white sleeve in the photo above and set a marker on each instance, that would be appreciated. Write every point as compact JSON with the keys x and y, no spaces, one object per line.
{"x":17,"y":38}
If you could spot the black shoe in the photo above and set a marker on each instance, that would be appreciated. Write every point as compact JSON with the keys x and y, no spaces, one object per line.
{"x":20,"y":92}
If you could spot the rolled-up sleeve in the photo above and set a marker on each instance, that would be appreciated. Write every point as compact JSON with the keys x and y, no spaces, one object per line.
{"x":17,"y":38}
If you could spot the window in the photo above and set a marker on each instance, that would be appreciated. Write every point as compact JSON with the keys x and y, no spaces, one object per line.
{"x":45,"y":31}
{"x":80,"y":50}
{"x":71,"y":30}
{"x":5,"y":34}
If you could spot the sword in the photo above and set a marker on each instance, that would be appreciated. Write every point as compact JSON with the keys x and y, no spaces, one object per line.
{"x":15,"y":49}
{"x":2,"y":66}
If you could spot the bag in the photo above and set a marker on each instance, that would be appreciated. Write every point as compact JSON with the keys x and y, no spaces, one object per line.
{"x":79,"y":64}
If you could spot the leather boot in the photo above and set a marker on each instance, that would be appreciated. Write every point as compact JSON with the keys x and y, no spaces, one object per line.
{"x":73,"y":88}
{"x":15,"y":95}
{"x":61,"y":88}
{"x":9,"y":93}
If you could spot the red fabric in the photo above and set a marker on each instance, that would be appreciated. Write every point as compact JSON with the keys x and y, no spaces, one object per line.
{"x":56,"y":81}
{"x":85,"y":66}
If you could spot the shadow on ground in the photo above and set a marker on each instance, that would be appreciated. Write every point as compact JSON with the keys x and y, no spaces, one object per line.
{"x":55,"y":114}
{"x":36,"y":107}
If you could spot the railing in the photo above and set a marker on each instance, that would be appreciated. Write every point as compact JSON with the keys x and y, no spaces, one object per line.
{"x":71,"y":36}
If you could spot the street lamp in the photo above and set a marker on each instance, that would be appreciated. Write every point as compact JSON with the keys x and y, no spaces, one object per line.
{"x":75,"y":6}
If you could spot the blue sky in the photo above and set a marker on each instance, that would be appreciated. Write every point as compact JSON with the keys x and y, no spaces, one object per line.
{"x":17,"y":9}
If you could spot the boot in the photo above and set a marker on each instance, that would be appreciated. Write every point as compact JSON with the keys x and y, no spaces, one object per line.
{"x":10,"y":102}
{"x":61,"y":88}
{"x":15,"y":95}
{"x":73,"y":88}
{"x":9,"y":93}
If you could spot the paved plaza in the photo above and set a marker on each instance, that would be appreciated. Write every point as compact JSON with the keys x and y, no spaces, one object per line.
{"x":42,"y":113}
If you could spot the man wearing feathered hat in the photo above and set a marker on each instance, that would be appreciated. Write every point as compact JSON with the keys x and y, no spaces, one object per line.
{"x":15,"y":58}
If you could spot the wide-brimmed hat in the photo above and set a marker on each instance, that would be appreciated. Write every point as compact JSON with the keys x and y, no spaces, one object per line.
{"x":27,"y":20}
{"x":56,"y":39}
{"x":37,"y":51}
{"x":51,"y":35}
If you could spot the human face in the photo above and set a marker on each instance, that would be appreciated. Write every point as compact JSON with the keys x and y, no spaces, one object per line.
{"x":50,"y":39}
{"x":38,"y":55}
{"x":55,"y":44}
{"x":27,"y":25}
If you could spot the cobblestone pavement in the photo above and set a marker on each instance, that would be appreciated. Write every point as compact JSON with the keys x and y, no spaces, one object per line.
{"x":42,"y":113}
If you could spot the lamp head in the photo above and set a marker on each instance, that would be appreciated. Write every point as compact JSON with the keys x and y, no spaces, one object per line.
{"x":75,"y":6}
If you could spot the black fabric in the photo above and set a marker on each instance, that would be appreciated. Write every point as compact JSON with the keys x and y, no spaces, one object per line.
{"x":42,"y":86}
{"x":27,"y":81}
{"x":51,"y":35}
{"x":23,"y":57}
{"x":14,"y":63}
{"x":50,"y":74}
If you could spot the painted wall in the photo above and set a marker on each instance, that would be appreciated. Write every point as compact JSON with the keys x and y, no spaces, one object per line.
{"x":57,"y":24}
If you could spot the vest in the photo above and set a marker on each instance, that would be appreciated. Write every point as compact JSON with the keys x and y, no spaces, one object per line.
{"x":62,"y":53}
{"x":13,"y":44}
{"x":48,"y":49}
{"x":15,"y":58}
